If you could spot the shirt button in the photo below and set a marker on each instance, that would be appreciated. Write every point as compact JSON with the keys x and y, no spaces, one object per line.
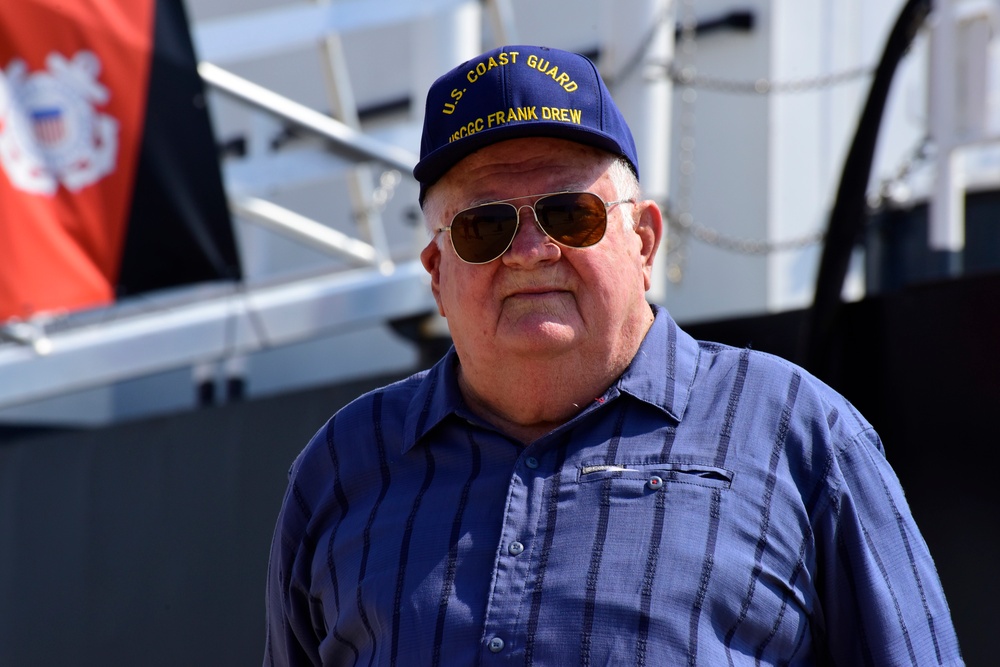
{"x":496,"y":645}
{"x":515,"y":548}
{"x":531,"y":462}
{"x":655,"y":482}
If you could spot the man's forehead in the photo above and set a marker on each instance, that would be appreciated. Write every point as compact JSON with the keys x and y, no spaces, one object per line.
{"x":528,"y":157}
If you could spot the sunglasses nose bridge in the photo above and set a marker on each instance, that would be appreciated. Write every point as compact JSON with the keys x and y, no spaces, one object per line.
{"x":534,"y":214}
{"x":530,"y":207}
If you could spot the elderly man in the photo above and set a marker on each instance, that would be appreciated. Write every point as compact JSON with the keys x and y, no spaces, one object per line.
{"x":578,"y":481}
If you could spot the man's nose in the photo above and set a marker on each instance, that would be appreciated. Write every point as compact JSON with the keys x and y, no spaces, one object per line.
{"x":530,"y":243}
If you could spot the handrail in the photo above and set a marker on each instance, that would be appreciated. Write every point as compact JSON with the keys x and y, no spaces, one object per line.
{"x":279,"y":219}
{"x":347,"y":142}
{"x":238,"y":320}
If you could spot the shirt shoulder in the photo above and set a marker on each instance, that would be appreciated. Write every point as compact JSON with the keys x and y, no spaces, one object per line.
{"x":767,"y":377}
{"x":353,"y":432}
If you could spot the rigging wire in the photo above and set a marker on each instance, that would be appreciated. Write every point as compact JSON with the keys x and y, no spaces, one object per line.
{"x":685,"y":76}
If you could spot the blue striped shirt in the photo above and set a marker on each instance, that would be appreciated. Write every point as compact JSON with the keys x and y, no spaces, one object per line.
{"x":715,"y":506}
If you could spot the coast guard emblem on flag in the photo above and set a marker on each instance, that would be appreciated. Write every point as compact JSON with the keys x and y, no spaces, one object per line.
{"x":50,"y":131}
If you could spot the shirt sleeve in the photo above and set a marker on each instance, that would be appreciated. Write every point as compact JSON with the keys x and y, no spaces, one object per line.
{"x":881,"y":595}
{"x":291,"y":639}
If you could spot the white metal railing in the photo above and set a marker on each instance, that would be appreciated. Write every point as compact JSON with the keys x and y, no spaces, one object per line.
{"x":346,"y":141}
{"x":289,"y":223}
{"x":340,"y":139}
{"x":235,"y":323}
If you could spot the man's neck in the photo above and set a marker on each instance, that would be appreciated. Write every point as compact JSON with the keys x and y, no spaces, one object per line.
{"x":526,"y":406}
{"x":527,"y":397}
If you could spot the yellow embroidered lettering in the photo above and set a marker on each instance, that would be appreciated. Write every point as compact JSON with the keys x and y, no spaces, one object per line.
{"x":449,"y":107}
{"x":546,"y":67}
{"x":560,"y":114}
{"x":468,"y":129}
{"x":502,"y":59}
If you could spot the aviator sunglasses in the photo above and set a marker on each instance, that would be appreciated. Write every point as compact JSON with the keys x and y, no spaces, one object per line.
{"x":575,"y":219}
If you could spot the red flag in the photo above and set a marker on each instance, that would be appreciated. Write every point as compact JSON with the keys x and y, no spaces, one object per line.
{"x":109,"y":183}
{"x":72,"y":98}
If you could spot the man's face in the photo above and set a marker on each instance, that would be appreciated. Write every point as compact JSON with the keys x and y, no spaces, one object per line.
{"x":541,"y":298}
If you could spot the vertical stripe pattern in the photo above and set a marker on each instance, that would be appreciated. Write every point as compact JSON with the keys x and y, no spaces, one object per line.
{"x":404,"y":549}
{"x":734,"y":400}
{"x":714,"y":506}
{"x":597,"y":551}
{"x":404,"y":556}
{"x":706,"y":575}
{"x":342,"y":502}
{"x":551,"y":511}
{"x":452,"y":564}
{"x":765,"y":519}
{"x":384,"y":474}
{"x":652,"y":563}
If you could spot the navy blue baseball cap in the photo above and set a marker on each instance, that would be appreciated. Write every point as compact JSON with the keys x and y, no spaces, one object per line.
{"x":514,"y":92}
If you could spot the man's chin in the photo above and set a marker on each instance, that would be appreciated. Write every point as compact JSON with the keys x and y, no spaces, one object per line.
{"x":540,"y":334}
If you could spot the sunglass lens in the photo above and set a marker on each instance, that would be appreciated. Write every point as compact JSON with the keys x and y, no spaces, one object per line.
{"x":482,"y":233}
{"x":576,"y":219}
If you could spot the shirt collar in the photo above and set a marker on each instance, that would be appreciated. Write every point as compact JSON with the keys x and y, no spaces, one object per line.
{"x":436,"y":398}
{"x":661,"y":374}
{"x":664,"y":366}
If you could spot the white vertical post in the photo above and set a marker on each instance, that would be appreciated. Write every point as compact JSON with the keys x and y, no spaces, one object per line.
{"x":946,"y":227}
{"x":636,"y":34}
{"x":440,"y":42}
{"x":360,"y":180}
{"x":974,"y":59}
{"x":502,"y":21}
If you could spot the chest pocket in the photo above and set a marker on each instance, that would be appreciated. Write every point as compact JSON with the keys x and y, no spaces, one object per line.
{"x":657,"y":475}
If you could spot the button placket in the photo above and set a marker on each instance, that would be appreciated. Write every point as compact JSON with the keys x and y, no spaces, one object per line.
{"x":505,"y":614}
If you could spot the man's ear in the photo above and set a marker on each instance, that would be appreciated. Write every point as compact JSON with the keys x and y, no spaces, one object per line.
{"x":650,"y":230}
{"x":430,"y":257}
